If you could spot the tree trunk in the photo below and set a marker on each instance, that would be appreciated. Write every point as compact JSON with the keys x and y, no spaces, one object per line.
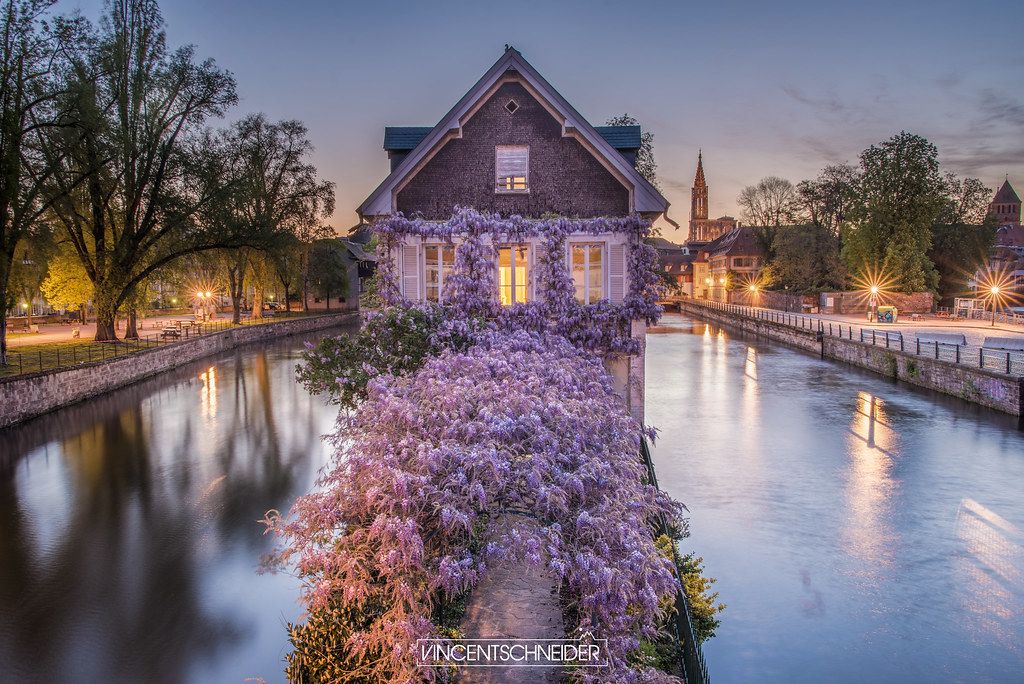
{"x":81,"y":314}
{"x":287,"y":303}
{"x":3,"y":313}
{"x":328,"y":293}
{"x":235,"y":278}
{"x":257,"y":300}
{"x":132,"y":333}
{"x":106,"y":315}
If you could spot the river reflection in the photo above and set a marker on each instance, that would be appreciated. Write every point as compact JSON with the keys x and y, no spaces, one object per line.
{"x":860,"y":529}
{"x":129,"y":540}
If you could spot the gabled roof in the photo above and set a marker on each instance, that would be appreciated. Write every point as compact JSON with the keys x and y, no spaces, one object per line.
{"x":405,"y":138}
{"x":644,"y":197}
{"x":741,"y":241}
{"x":1006,"y":194}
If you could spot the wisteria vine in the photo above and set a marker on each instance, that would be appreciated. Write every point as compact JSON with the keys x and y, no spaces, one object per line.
{"x":602,"y":326}
{"x":523,"y":422}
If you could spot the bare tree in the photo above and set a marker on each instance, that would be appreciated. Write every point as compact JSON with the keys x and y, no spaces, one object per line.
{"x":826,"y":201}
{"x":29,"y":88}
{"x":769,"y":204}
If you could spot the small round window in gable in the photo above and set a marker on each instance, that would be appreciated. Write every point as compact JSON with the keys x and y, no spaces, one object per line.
{"x":512,"y":106}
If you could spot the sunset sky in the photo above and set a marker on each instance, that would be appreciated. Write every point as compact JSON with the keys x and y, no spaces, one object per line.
{"x":778,"y":88}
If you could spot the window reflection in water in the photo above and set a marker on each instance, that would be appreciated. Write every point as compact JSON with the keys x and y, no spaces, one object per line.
{"x":992,"y":570}
{"x":208,"y":393}
{"x":870,"y":484}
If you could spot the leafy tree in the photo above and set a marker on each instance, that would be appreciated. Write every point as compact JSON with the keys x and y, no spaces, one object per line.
{"x":28,"y":270}
{"x":328,"y":269}
{"x":135,"y":103}
{"x":645,"y":164}
{"x":277,"y":197}
{"x":901,"y":197}
{"x":826,"y":200}
{"x":964,"y":235}
{"x":66,"y":285}
{"x":807,"y":259}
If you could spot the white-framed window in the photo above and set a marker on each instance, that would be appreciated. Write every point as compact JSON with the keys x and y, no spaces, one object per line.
{"x":438,"y":261}
{"x":513,"y":274}
{"x":587,"y":260}
{"x":512,"y":168}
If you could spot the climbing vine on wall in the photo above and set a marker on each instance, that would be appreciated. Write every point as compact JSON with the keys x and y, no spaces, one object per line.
{"x":472,"y":290}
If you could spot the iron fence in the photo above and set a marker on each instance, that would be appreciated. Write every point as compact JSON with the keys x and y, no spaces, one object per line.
{"x":691,"y":657}
{"x":61,"y":356}
{"x":1010,"y":362}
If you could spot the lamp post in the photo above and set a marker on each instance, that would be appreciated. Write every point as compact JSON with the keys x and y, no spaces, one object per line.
{"x":994,"y":294}
{"x":873,"y":304}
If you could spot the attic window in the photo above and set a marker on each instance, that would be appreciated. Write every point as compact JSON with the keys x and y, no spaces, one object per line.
{"x":512,"y":168}
{"x":512,"y":106}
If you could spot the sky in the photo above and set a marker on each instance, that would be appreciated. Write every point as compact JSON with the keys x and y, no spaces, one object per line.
{"x":781,"y":88}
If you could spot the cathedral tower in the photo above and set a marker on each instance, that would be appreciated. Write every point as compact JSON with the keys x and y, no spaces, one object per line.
{"x":699,"y":192}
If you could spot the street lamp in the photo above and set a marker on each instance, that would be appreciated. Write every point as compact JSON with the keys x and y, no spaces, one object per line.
{"x":994,"y":294}
{"x":873,"y":303}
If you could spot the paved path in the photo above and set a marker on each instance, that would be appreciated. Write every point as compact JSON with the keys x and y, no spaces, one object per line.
{"x":514,"y":600}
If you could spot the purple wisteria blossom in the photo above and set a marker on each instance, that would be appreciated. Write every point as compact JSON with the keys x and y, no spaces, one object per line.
{"x":404,"y":516}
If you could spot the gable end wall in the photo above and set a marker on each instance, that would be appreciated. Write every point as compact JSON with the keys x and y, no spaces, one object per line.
{"x":565,"y":178}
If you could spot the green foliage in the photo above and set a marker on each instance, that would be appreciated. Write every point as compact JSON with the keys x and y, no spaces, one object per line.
{"x":319,"y":651}
{"x":703,"y":609}
{"x":901,"y":196}
{"x":697,"y":586}
{"x":370,"y":297}
{"x":807,"y":259}
{"x":645,"y":163}
{"x":398,"y":341}
{"x":66,"y":285}
{"x":957,"y":251}
{"x":328,"y":269}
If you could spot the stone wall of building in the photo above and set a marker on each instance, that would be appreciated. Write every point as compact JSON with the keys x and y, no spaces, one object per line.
{"x":26,"y":396}
{"x":564,"y":177}
{"x":857,"y":302}
{"x":994,"y":390}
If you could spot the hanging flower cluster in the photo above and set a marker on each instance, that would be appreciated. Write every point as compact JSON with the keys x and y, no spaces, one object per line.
{"x":405,"y":517}
{"x":472,"y":290}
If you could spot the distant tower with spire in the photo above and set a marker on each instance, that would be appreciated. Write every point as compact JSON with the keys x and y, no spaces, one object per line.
{"x":703,"y":229}
{"x":1005,"y":205}
{"x":699,"y":191}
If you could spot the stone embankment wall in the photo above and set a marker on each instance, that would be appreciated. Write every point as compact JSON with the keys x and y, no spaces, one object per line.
{"x":994,"y":390}
{"x":26,"y":396}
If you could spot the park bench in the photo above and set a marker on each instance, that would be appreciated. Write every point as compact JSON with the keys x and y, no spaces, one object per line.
{"x":170,"y":331}
{"x":1004,"y":343}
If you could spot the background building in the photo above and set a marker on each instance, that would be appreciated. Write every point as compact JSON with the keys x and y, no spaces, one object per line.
{"x":703,"y":229}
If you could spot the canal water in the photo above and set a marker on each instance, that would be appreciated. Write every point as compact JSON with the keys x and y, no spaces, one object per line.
{"x":129,"y":533}
{"x":860,"y":530}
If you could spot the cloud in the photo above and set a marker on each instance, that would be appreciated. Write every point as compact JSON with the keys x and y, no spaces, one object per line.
{"x":997,"y":108}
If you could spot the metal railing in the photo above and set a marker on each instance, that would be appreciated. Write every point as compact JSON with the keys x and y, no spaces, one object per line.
{"x":691,"y":657}
{"x":1009,"y":362}
{"x":63,"y":355}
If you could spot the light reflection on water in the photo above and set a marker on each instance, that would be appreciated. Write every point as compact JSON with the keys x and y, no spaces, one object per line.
{"x":129,"y":540}
{"x":859,"y":529}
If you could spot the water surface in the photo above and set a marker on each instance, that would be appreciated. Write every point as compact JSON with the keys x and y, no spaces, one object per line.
{"x":129,"y":540}
{"x":860,"y":530}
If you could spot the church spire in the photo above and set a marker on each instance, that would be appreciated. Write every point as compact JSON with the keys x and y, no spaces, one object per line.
{"x":699,"y":192}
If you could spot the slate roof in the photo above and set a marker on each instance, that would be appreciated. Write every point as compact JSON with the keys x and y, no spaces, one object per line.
{"x":1006,"y":194}
{"x":404,"y":138}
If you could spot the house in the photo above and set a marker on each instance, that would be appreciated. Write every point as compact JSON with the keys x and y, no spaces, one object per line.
{"x":512,"y":148}
{"x":344,"y":267}
{"x":731,"y":261}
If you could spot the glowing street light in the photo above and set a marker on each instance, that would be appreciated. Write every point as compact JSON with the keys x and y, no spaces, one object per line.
{"x":994,"y":295}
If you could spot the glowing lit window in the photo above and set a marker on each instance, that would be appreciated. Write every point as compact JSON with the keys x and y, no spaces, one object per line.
{"x":438,"y":263}
{"x":512,"y":168}
{"x":513,"y":274}
{"x":588,"y":271}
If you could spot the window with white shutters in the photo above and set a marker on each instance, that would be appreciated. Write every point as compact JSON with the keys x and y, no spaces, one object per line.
{"x":410,"y":273}
{"x":616,"y":273}
{"x":512,"y":168}
{"x":588,"y":271}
